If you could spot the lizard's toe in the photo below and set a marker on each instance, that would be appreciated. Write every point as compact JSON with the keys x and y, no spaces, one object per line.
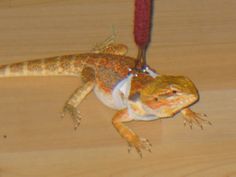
{"x":139,"y":144}
{"x":195,"y":118}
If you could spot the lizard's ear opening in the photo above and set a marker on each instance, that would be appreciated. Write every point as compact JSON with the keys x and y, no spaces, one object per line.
{"x":135,"y":96}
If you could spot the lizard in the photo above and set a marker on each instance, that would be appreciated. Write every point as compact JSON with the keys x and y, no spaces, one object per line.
{"x":102,"y":70}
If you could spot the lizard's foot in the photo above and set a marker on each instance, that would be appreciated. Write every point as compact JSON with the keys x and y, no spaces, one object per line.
{"x":139,"y":144}
{"x":191,"y":118}
{"x":74,"y":113}
{"x":132,"y":138}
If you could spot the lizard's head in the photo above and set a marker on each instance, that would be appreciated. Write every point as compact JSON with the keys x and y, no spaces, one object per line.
{"x":166,"y":95}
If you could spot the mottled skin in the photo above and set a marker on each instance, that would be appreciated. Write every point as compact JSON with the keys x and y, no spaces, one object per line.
{"x":101,"y":70}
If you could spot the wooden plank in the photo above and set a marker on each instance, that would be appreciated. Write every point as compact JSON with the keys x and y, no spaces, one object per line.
{"x":192,"y":38}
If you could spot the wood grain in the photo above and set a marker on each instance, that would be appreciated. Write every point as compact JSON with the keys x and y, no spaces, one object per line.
{"x":193,"y":38}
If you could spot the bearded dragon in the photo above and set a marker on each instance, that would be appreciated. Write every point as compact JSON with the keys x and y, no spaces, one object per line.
{"x":101,"y":70}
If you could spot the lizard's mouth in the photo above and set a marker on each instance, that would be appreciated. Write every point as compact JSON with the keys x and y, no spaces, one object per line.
{"x":169,"y":107}
{"x":177,"y":104}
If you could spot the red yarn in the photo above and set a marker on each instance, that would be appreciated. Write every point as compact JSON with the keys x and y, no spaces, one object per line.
{"x":142,"y":22}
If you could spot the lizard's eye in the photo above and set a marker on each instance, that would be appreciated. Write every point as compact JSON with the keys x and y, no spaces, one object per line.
{"x":155,"y":99}
{"x":174,"y":91}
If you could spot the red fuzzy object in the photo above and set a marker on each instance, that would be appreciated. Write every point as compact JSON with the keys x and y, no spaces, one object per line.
{"x":142,"y":22}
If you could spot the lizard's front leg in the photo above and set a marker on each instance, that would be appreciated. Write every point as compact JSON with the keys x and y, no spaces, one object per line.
{"x":74,"y":101}
{"x":132,"y":138}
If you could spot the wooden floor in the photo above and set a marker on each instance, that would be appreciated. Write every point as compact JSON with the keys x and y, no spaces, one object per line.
{"x":192,"y":38}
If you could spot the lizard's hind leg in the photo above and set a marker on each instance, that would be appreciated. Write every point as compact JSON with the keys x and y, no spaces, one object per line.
{"x":78,"y":96}
{"x":109,"y":46}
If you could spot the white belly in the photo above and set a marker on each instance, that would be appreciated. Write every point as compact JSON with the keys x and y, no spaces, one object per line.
{"x":106,"y":99}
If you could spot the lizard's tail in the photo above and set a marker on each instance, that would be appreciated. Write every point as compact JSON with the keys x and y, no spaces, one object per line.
{"x":55,"y":66}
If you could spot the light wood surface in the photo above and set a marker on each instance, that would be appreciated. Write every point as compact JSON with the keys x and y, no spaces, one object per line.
{"x":192,"y":38}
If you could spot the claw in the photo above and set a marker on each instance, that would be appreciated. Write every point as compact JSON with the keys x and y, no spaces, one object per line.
{"x":185,"y":123}
{"x":191,"y":125}
{"x":201,"y":115}
{"x":201,"y":127}
{"x":139,"y":152}
{"x":129,"y":148}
